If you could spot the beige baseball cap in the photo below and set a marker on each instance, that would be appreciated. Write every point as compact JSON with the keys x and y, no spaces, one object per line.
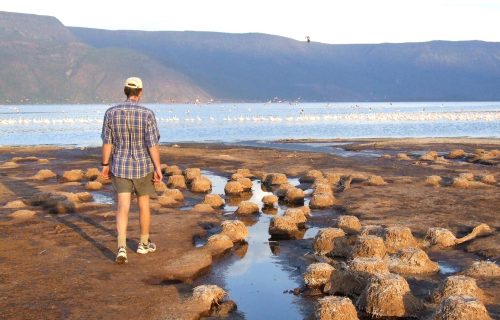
{"x":134,"y":83}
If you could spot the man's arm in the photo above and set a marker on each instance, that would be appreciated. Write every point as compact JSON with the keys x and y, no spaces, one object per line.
{"x":107,"y":145}
{"x":155,"y":157}
{"x":106,"y":155}
{"x":152,"y":140}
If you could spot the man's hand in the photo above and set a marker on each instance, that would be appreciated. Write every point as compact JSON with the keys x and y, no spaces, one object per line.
{"x":155,"y":157}
{"x":106,"y":154}
{"x":105,"y":172}
{"x":158,"y":176}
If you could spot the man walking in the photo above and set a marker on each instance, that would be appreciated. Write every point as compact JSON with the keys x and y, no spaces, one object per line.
{"x":130,"y":156}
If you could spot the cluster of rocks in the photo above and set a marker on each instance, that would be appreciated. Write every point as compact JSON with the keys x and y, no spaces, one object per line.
{"x":95,"y":180}
{"x":57,"y":202}
{"x":427,"y":157}
{"x":291,"y":225}
{"x":21,"y":209}
{"x":196,"y":181}
{"x":480,"y":156}
{"x":463,"y":181}
{"x":237,"y":185}
{"x":190,"y":178}
{"x":16,"y":161}
{"x":93,"y":176}
{"x":322,"y":196}
{"x":373,"y":275}
{"x":323,"y":186}
{"x":432,"y":156}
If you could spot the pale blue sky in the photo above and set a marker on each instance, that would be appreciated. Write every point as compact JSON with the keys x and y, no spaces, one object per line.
{"x":330,"y":21}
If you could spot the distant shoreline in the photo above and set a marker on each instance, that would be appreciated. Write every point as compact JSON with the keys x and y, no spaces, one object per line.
{"x":347,"y":144}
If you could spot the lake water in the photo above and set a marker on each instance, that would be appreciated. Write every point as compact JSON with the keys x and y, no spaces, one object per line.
{"x":81,"y":124}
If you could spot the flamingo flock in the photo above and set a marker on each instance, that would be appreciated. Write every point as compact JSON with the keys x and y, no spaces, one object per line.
{"x":422,"y":116}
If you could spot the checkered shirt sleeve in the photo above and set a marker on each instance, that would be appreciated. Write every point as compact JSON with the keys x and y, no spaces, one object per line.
{"x":106,"y":135}
{"x":152,"y":132}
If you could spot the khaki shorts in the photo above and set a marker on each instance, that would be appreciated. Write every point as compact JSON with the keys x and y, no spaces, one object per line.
{"x":141,"y":187}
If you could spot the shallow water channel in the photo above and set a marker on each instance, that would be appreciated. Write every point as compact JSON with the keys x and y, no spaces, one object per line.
{"x":256,"y":276}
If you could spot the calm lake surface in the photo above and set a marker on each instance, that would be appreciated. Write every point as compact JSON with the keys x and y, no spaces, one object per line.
{"x":81,"y":124}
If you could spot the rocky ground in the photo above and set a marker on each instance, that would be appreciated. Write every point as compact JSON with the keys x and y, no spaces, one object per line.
{"x":57,"y":260}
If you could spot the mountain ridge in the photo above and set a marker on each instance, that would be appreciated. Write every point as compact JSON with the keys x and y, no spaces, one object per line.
{"x":41,"y":61}
{"x":182,"y":66}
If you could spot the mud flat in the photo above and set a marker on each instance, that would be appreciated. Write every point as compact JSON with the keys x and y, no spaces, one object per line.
{"x":58,"y":261}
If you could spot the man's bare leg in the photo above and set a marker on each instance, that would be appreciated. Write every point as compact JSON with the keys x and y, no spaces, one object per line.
{"x":122,"y":218}
{"x":145,"y":245}
{"x":144,"y":215}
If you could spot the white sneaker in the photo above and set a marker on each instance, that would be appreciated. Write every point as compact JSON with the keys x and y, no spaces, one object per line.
{"x":146,"y":248}
{"x":121,"y":256}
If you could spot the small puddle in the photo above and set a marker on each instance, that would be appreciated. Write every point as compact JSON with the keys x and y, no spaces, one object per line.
{"x":199,"y":242}
{"x":452,"y":261}
{"x":446,"y":268}
{"x":103,"y":198}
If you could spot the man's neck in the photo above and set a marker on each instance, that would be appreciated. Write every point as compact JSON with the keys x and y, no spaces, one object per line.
{"x":133,"y":99}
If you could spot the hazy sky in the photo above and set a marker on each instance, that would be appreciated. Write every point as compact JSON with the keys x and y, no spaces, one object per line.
{"x":330,"y":21}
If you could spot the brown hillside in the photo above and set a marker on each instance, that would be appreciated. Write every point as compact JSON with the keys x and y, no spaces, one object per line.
{"x":42,"y":62}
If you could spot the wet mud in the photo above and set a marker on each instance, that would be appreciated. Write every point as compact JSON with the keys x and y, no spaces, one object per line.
{"x":61,"y":265}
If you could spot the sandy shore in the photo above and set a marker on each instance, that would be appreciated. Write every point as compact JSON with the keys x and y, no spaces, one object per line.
{"x":61,"y":265}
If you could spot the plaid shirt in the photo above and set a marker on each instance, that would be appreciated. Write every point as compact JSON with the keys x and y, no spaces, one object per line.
{"x":131,"y":129}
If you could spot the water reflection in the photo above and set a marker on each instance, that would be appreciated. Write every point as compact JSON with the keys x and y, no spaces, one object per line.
{"x":257,"y":279}
{"x":311,"y":233}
